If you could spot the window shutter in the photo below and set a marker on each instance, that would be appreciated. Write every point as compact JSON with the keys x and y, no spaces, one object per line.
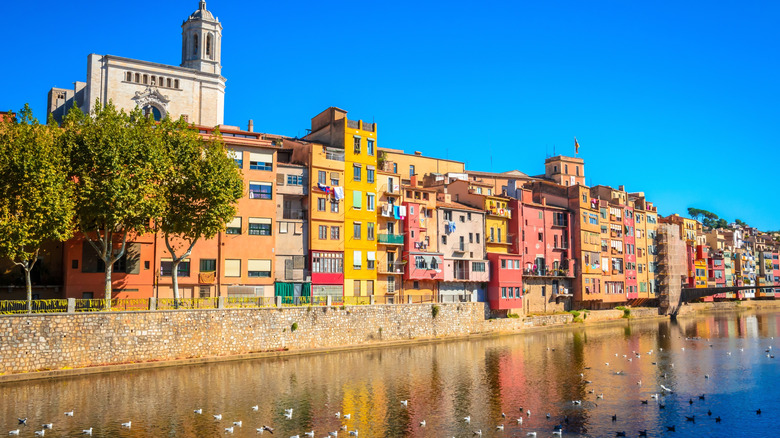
{"x":232,"y":268}
{"x":133,"y":257}
{"x":259,"y":265}
{"x":288,"y":269}
{"x":299,"y":262}
{"x":280,"y":179}
{"x":261,"y":157}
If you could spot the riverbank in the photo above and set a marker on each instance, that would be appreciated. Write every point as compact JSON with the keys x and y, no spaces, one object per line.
{"x":53,"y":346}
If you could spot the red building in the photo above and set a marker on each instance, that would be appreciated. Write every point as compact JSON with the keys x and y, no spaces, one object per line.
{"x":505,"y":289}
{"x":425,"y":266}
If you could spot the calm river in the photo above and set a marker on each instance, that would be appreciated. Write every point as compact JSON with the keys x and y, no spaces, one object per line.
{"x":541,"y":372}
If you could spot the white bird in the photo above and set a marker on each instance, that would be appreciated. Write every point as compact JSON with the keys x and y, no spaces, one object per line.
{"x":13,"y":432}
{"x":47,"y":425}
{"x":128,"y":424}
{"x":198,"y":411}
{"x":639,"y":383}
{"x":660,"y":349}
{"x":665,"y":388}
{"x":706,"y":376}
{"x":238,"y":423}
{"x":729,"y":353}
{"x":655,"y":396}
{"x":500,"y":427}
{"x":528,"y":412}
{"x":264,"y":428}
{"x":217,"y":417}
{"x":405,"y":402}
{"x":344,"y":427}
{"x":334,"y":433}
{"x":558,"y":432}
{"x":478,"y":432}
{"x":683,"y":348}
{"x":531,"y":434}
{"x":353,"y":432}
{"x":295,"y":436}
{"x":311,"y":434}
{"x":229,"y":429}
{"x":519,"y":421}
{"x":606,"y":364}
{"x":69,"y":414}
{"x":422,"y":423}
{"x":503,"y":415}
{"x":347,"y":416}
{"x":467,"y":420}
{"x":629,"y":359}
{"x":41,"y":432}
{"x":338,"y":414}
{"x":87,"y":431}
{"x":255,"y":408}
{"x":600,"y":395}
{"x":288,"y":414}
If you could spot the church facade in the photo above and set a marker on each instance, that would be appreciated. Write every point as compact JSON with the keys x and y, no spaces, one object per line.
{"x":194,"y":90}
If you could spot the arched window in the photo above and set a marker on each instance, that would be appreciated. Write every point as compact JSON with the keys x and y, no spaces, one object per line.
{"x":195,"y":44}
{"x":129,"y":77}
{"x":168,"y":83}
{"x":137,"y":78}
{"x":153,"y":111}
{"x":208,"y":45}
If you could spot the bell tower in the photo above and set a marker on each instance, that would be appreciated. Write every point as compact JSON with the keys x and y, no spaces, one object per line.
{"x":201,"y":36}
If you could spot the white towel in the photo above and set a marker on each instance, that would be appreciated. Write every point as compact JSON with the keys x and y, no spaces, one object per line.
{"x":339,"y":192}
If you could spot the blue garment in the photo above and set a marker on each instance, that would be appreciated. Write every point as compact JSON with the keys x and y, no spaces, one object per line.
{"x":396,"y":212}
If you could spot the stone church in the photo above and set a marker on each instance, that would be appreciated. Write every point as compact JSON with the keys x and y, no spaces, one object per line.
{"x":194,"y":90}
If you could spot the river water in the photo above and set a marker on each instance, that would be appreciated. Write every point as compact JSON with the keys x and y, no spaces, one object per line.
{"x":541,"y":372}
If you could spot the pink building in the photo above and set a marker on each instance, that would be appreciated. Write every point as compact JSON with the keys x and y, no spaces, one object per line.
{"x":632,"y":288}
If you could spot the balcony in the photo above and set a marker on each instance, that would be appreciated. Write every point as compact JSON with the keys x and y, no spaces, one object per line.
{"x":393,"y":190}
{"x":544,"y":272}
{"x":391,"y":239}
{"x":461,"y":247}
{"x":463,"y":270}
{"x":561,"y":247}
{"x":335,"y":155}
{"x":500,"y":212}
{"x":294,"y":214}
{"x":392,"y":268}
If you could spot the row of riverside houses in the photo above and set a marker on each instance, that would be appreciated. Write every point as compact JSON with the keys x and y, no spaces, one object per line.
{"x":333,"y":214}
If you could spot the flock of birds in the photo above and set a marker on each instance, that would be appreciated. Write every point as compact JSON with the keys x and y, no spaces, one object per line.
{"x":557,"y":428}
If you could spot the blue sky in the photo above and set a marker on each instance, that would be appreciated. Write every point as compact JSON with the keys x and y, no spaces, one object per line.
{"x":676,"y":99}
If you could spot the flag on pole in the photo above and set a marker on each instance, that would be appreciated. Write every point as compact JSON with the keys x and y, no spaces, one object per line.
{"x":576,"y":146}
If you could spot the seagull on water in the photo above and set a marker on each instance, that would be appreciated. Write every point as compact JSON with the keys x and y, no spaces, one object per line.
{"x":264,"y":428}
{"x":531,"y":434}
{"x":47,"y":425}
{"x":338,"y":414}
{"x":87,"y":431}
{"x":666,"y":389}
{"x":520,"y":421}
{"x":128,"y":424}
{"x":558,"y":432}
{"x":467,"y":419}
{"x":478,"y":432}
{"x":238,"y":423}
{"x":405,"y":402}
{"x":353,"y":432}
{"x":309,"y":434}
{"x":69,"y":414}
{"x":13,"y":432}
{"x":528,"y":412}
{"x":217,"y":417}
{"x":422,"y":423}
{"x":288,"y":414}
{"x":347,"y":416}
{"x":198,"y":411}
{"x":600,"y":395}
{"x":41,"y":432}
{"x":334,"y":433}
{"x":500,"y":427}
{"x":229,"y":429}
{"x":256,"y":408}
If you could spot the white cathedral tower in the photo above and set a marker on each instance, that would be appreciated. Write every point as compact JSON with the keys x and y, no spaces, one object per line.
{"x":195,"y":90}
{"x":201,"y":37}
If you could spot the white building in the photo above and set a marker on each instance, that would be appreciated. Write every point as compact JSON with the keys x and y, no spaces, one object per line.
{"x":194,"y":90}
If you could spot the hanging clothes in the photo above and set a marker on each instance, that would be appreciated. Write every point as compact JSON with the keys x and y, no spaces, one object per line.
{"x":339,"y":193}
{"x":397,"y":212}
{"x":402,"y":211}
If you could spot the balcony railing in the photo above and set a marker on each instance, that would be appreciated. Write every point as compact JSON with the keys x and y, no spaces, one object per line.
{"x":392,"y":268}
{"x":391,"y":189}
{"x":391,"y":239}
{"x":461,"y":247}
{"x":335,"y":156}
{"x":544,"y":272}
{"x":353,"y":124}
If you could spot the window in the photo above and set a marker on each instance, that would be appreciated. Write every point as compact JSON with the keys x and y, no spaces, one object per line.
{"x":334,"y":206}
{"x":370,"y":146}
{"x":468,"y":216}
{"x":370,"y":260}
{"x":238,"y":157}
{"x":503,"y":264}
{"x":356,"y":230}
{"x":166,"y":268}
{"x":232,"y":267}
{"x":411,"y":171}
{"x":335,"y":232}
{"x":370,"y":231}
{"x":176,"y":83}
{"x":168,"y":82}
{"x":356,"y":172}
{"x":463,"y":218}
{"x":443,"y":239}
{"x":477,"y":237}
{"x":208,"y":45}
{"x":327,"y":262}
{"x":540,"y":237}
{"x":357,"y":260}
{"x":503,"y":292}
{"x":259,"y":268}
{"x":370,"y":201}
{"x":499,"y":235}
{"x":416,"y":284}
{"x":565,"y":168}
{"x":478,"y":266}
{"x":260,"y":190}
{"x":234,"y":226}
{"x":320,"y":204}
{"x":356,"y":291}
{"x":129,"y":77}
{"x":323,"y":232}
{"x":260,"y":165}
{"x":369,"y":175}
{"x":321,"y":175}
{"x":357,"y":199}
{"x":492,"y":234}
{"x":356,"y":142}
{"x":294,"y":180}
{"x":145,"y":79}
{"x":259,"y":226}
{"x":208,"y":265}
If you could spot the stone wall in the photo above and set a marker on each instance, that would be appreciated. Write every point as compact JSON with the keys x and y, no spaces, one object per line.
{"x":55,"y":341}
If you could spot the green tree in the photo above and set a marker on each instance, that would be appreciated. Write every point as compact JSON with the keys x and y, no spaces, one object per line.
{"x":740,"y":223}
{"x":202,"y":187}
{"x":117,"y":164}
{"x":36,"y":203}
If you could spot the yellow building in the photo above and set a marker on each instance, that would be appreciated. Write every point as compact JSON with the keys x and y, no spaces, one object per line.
{"x":406,"y":165}
{"x":358,"y":141}
{"x":497,"y":239}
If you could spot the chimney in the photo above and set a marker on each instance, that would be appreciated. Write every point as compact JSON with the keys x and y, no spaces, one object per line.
{"x":413,"y":179}
{"x":622,"y":188}
{"x":251,"y":126}
{"x":418,"y":153}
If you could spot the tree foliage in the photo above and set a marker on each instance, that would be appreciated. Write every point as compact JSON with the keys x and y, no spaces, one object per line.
{"x":117,"y":163}
{"x":36,"y":203}
{"x":707,"y":218}
{"x":202,"y":186}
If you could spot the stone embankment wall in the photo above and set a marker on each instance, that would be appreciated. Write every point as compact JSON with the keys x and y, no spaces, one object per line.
{"x":56,"y":341}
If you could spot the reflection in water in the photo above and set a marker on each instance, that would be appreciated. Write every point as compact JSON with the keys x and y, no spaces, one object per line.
{"x":543,"y":372}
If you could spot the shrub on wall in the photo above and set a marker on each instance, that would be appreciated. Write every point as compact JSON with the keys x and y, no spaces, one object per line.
{"x":435,"y":310}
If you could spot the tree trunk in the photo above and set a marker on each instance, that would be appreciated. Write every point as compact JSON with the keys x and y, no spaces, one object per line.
{"x":175,"y":280}
{"x":109,"y":268}
{"x":28,"y":282}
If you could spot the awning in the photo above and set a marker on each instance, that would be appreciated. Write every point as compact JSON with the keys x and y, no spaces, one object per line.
{"x":261,"y":157}
{"x":357,"y":258}
{"x":371,"y":255}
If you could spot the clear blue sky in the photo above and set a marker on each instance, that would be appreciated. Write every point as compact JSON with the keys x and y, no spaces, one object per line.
{"x":676,"y":99}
